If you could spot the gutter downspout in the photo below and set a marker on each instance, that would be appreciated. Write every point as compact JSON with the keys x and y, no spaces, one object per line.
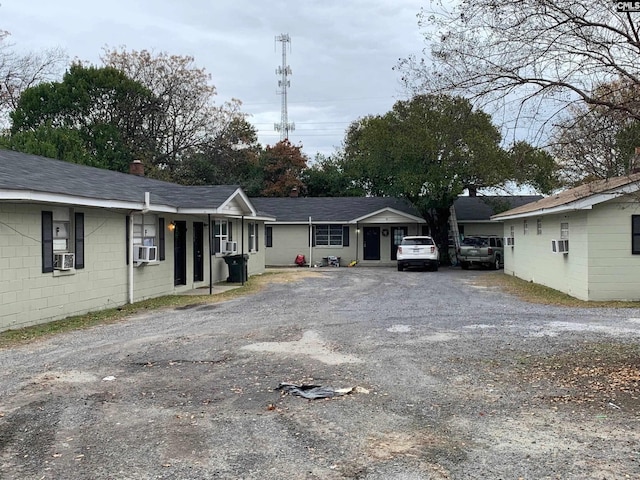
{"x":130,"y":259}
{"x":242,"y":249}
{"x":310,"y":243}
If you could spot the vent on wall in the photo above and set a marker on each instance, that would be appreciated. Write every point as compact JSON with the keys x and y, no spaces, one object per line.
{"x":143,"y":253}
{"x":560,"y":246}
{"x":230,"y":247}
{"x":63,"y":261}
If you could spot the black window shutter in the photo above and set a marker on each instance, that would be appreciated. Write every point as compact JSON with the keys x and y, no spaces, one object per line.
{"x":127,"y":235}
{"x":47,"y":242}
{"x":635,"y":234}
{"x":268,"y":236}
{"x":313,"y":236}
{"x":79,"y":240}
{"x":345,"y":235}
{"x":161,"y":239}
{"x":215,"y":239}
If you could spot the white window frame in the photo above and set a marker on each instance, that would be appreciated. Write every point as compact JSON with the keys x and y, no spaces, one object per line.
{"x":252,"y":229}
{"x":62,"y":233}
{"x":220,"y":235}
{"x":145,"y":229}
{"x":329,"y":235}
{"x":564,"y":230}
{"x":525,"y":226}
{"x":539,"y":226}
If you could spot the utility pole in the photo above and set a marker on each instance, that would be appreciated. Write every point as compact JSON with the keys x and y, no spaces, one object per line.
{"x":284,"y":71}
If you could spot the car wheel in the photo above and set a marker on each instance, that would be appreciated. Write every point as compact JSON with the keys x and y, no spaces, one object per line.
{"x":400,"y":268}
{"x":464,"y":265}
{"x":434,"y":267}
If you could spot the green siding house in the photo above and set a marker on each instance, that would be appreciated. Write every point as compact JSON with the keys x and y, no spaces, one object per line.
{"x":584,"y":241}
{"x":75,"y":239}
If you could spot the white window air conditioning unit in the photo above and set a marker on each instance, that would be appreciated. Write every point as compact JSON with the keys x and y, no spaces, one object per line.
{"x":63,"y":261}
{"x":509,"y":241}
{"x":229,"y":247}
{"x":143,"y":253}
{"x":560,"y":246}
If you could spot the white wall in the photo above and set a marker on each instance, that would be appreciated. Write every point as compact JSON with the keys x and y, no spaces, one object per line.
{"x":532,"y":259}
{"x":614,"y":272}
{"x":29,"y":296}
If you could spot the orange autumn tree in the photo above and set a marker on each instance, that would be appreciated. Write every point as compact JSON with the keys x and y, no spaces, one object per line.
{"x":282,"y":166}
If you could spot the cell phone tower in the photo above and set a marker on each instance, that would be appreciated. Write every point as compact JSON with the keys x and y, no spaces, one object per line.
{"x":284,"y":127}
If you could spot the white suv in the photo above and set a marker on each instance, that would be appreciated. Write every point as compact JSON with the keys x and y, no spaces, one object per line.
{"x":418,"y":252}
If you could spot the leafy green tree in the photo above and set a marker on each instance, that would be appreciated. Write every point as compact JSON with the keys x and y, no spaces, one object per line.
{"x":326,"y":178}
{"x":429,"y":149}
{"x":98,"y":113}
{"x":230,"y":158}
{"x":187,"y":124}
{"x":282,"y":165}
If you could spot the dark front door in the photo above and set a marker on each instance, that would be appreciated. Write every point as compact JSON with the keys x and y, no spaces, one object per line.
{"x":397,"y":234}
{"x":180,"y":254}
{"x":371,"y":243}
{"x":198,"y":255}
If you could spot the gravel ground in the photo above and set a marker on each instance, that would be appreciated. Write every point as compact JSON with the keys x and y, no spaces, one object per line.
{"x":455,"y":381}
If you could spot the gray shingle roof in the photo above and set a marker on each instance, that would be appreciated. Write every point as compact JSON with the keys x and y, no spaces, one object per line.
{"x":20,"y":171}
{"x":344,"y":209}
{"x":327,"y":209}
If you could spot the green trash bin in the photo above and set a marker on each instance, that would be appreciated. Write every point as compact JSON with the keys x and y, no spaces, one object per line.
{"x":238,"y":269}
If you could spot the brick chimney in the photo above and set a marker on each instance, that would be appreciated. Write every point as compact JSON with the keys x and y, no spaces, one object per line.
{"x":294,"y":192}
{"x":136,"y":168}
{"x":473,"y":190}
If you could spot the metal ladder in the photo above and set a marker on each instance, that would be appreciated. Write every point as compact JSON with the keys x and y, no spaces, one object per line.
{"x":453,"y":222}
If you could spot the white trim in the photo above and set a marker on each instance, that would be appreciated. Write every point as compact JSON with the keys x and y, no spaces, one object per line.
{"x":586,"y":203}
{"x":247,"y":203}
{"x":387,"y":209}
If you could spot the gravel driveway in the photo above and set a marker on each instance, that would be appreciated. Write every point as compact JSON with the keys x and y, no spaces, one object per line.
{"x":454,"y":381}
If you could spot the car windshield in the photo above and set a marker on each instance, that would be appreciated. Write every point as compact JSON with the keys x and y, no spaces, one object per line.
{"x":474,"y":241}
{"x":417,"y":241}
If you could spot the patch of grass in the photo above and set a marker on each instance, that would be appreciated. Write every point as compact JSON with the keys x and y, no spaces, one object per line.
{"x":253,"y":285}
{"x":535,"y":293}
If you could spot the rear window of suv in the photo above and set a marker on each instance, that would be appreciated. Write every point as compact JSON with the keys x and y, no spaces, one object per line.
{"x":417,"y":241}
{"x":474,"y":241}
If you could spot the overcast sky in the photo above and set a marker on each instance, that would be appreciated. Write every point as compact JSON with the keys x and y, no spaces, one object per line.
{"x":341,"y":52}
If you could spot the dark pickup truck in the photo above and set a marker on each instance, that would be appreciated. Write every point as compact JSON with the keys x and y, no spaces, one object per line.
{"x":483,"y":250}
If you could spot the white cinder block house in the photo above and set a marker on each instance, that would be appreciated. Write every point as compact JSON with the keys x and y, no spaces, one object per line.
{"x":362,"y":229}
{"x":75,"y":239}
{"x":584,"y":241}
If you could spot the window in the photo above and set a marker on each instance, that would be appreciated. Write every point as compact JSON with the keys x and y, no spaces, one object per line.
{"x":525,"y":226}
{"x":61,"y":235}
{"x":539,"y":226}
{"x":222,"y":232}
{"x":564,"y":230}
{"x":268,"y":236}
{"x":253,"y":237}
{"x":328,"y":235}
{"x":635,"y":234}
{"x":512,"y":231}
{"x":144,"y":230}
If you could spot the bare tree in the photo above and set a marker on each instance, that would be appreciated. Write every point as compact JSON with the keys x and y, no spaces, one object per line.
{"x":529,"y":51}
{"x":187,"y":117}
{"x":19,"y":71}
